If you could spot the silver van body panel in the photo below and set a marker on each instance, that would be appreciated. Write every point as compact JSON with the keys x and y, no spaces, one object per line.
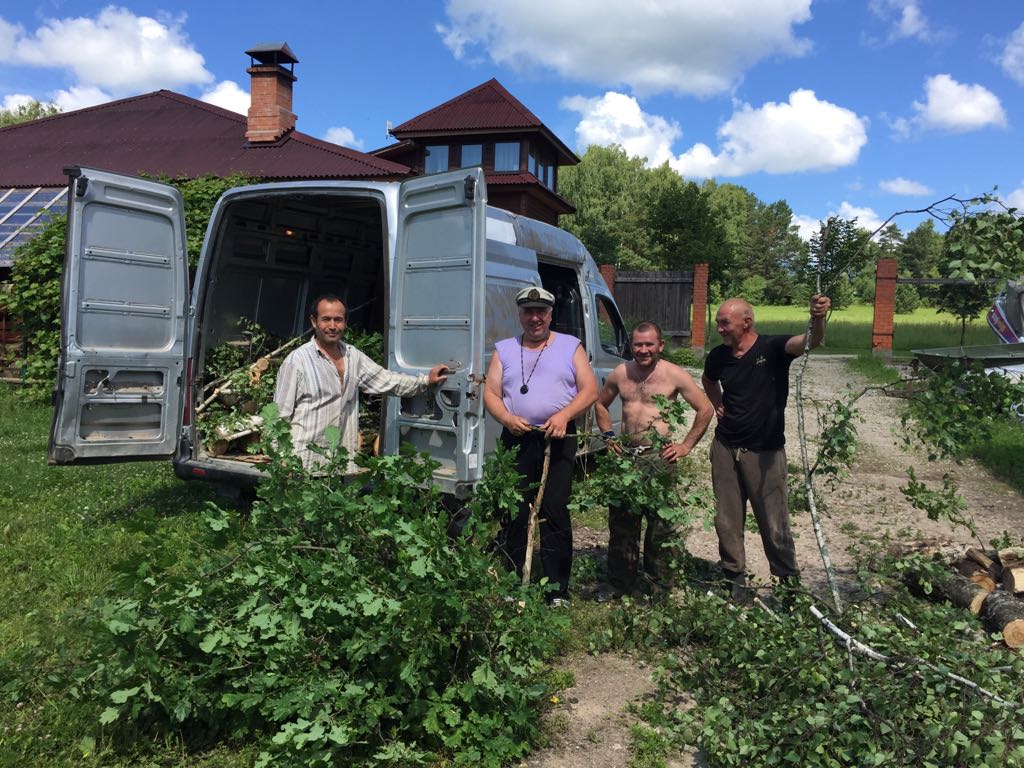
{"x":451,"y":267}
{"x":123,"y":324}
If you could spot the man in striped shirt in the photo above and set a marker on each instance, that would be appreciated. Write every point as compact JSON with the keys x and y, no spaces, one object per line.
{"x":319,"y":383}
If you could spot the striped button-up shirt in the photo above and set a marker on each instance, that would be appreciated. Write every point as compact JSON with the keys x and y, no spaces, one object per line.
{"x":312,"y":396}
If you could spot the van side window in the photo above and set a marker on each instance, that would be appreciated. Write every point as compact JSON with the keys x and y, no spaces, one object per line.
{"x":614,"y":338}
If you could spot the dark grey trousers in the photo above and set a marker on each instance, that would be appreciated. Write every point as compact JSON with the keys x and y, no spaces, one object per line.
{"x":739,"y":476}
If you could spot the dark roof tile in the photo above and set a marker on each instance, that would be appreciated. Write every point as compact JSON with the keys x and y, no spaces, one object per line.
{"x":166,"y":133}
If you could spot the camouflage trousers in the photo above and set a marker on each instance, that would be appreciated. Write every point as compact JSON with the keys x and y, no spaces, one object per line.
{"x":661,"y":543}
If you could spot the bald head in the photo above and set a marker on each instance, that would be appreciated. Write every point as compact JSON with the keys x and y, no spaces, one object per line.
{"x":737,"y":308}
{"x":735,"y":323}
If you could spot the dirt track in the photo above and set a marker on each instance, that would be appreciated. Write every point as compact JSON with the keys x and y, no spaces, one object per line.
{"x":592,"y":723}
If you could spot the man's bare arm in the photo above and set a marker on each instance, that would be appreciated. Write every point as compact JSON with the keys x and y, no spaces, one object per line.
{"x":820,"y":306}
{"x":495,"y":405}
{"x":606,"y":397}
{"x":702,"y":407}
{"x":714,"y":392}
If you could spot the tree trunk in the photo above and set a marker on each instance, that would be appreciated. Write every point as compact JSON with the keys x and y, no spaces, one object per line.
{"x":1013,"y":579}
{"x":1005,"y":613}
{"x":976,"y":573}
{"x":957,"y":589}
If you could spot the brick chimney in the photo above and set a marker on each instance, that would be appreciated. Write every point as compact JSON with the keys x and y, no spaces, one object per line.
{"x":270,"y":89}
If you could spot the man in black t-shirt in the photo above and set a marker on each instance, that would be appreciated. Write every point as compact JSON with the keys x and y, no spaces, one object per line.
{"x":747,"y":380}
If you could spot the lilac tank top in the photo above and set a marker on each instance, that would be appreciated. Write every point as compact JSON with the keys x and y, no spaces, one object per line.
{"x":552,"y":377}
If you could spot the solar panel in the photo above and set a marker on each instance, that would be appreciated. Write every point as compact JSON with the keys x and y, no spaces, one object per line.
{"x":23,"y":212}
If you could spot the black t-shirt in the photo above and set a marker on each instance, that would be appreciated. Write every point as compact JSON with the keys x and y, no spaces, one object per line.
{"x":754,"y":392}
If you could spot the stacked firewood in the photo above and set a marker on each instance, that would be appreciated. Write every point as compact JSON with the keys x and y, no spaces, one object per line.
{"x":990,"y":584}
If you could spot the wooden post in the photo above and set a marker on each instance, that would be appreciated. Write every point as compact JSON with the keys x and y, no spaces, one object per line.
{"x":886,"y":271}
{"x":698,"y":317}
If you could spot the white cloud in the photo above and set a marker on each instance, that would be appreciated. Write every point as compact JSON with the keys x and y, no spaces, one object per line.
{"x":1015,"y":199}
{"x":906,"y":19}
{"x":803,"y":134}
{"x":617,"y":119}
{"x":1012,"y":58}
{"x":866,"y":217}
{"x":807,"y":226}
{"x":116,"y":52}
{"x":79,"y":97}
{"x":227,"y":94}
{"x":343,"y":136}
{"x":14,"y":100}
{"x":901,"y":186}
{"x":681,"y":46}
{"x":956,"y":107}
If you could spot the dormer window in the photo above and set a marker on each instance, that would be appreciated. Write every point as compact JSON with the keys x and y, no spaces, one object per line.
{"x":436,"y":160}
{"x":472,"y":154}
{"x":506,"y":156}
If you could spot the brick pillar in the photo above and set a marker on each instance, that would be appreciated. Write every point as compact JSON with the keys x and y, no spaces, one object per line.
{"x":886,"y":271}
{"x":608,"y":273}
{"x":699,"y":308}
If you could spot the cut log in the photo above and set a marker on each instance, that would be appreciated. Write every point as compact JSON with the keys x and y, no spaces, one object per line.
{"x":1005,"y":613}
{"x":1013,"y":579}
{"x":957,"y":589}
{"x":1011,"y":556}
{"x":986,"y":562}
{"x":975,"y":573}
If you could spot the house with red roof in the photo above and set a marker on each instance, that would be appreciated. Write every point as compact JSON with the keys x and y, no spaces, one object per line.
{"x":487,"y":126}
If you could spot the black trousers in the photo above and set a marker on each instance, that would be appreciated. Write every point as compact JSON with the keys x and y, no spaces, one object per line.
{"x":553,"y":520}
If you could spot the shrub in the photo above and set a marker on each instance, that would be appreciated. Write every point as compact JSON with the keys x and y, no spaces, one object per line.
{"x":336,"y":626}
{"x":907,"y":299}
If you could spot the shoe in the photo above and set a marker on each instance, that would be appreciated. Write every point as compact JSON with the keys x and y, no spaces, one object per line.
{"x":603,"y":596}
{"x":561,"y":603}
{"x":739,"y":592}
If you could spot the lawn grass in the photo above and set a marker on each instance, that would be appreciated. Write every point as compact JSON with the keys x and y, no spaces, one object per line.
{"x":849,"y":330}
{"x":65,"y":532}
{"x":1003,"y":455}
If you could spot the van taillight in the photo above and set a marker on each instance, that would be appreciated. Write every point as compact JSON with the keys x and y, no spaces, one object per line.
{"x":186,"y":411}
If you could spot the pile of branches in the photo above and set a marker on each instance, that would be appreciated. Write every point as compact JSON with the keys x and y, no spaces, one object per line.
{"x":239,"y":379}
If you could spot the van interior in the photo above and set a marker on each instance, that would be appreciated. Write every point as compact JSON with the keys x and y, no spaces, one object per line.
{"x":272,"y":256}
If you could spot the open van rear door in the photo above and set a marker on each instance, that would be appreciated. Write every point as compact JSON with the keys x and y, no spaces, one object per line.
{"x":437,"y":315}
{"x":123,"y":309}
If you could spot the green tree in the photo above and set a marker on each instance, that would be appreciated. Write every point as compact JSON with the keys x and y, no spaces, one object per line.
{"x":681,"y":225}
{"x":609,"y":190}
{"x":921,"y":256}
{"x":25,"y":112}
{"x":984,"y":250}
{"x":835,"y":255}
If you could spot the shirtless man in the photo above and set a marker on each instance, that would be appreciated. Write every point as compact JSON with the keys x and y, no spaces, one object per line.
{"x":636,"y":383}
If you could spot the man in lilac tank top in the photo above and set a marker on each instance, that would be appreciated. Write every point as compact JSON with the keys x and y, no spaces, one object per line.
{"x":537,"y":384}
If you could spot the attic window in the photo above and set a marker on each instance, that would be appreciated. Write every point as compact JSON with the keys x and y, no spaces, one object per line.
{"x":436,"y":160}
{"x":472,"y":154}
{"x":506,"y":156}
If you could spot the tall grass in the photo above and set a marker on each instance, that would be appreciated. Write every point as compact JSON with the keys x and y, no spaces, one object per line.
{"x":849,"y":330}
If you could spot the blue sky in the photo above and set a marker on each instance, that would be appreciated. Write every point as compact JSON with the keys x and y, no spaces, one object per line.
{"x":856,"y":107}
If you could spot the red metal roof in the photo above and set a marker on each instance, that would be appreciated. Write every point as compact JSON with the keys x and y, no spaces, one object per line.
{"x":488,"y":107}
{"x":166,"y":133}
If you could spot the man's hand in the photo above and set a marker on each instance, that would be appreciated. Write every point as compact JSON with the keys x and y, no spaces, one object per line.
{"x":438,"y":374}
{"x":674,"y":451}
{"x":720,"y":412}
{"x":554,"y":427}
{"x":517,"y":425}
{"x":613,"y":443}
{"x":820,"y":305}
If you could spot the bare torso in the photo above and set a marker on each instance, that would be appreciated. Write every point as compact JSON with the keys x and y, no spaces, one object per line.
{"x":637,"y":389}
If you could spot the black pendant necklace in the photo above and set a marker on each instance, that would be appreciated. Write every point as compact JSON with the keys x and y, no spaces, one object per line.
{"x":526,"y":381}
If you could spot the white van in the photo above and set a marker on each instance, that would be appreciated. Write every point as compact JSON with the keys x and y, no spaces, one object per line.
{"x":426,"y":262}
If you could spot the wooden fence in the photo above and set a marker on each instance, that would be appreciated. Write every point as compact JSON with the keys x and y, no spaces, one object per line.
{"x":664,"y":297}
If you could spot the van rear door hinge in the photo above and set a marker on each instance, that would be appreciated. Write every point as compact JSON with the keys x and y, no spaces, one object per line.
{"x":470,"y":189}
